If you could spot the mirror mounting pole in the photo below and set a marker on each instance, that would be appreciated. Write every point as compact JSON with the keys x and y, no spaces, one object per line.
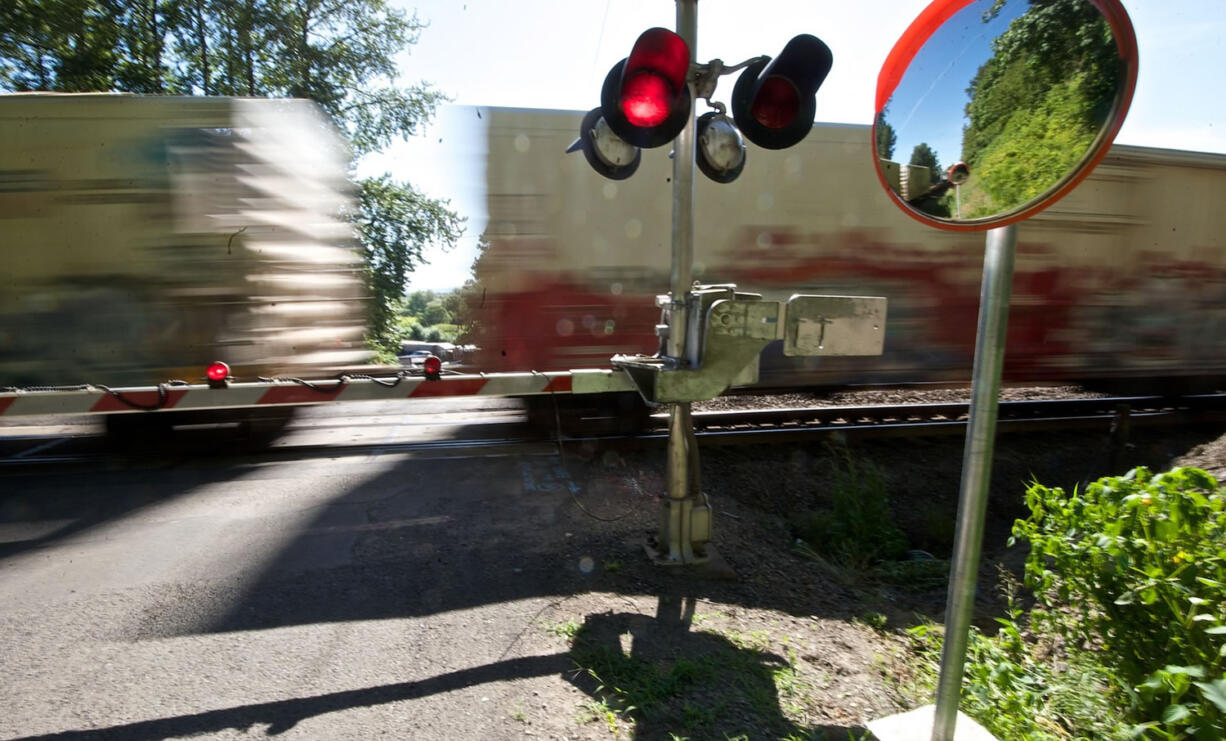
{"x":976,"y":471}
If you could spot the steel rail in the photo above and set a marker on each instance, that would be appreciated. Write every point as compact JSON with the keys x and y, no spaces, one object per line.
{"x":951,"y":418}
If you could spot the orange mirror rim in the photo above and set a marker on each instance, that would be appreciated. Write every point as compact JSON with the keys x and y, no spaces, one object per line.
{"x":918,"y":34}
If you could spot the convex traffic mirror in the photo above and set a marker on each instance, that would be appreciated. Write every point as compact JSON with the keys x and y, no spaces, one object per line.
{"x":988,"y":111}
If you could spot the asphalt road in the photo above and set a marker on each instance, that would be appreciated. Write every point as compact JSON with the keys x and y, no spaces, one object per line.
{"x":348,"y":596}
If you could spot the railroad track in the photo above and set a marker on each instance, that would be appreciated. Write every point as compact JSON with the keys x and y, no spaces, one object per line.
{"x":732,"y":427}
{"x":735,"y":426}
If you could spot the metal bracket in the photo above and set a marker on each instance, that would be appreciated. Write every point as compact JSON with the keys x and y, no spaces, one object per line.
{"x":834,"y":325}
{"x":729,"y":329}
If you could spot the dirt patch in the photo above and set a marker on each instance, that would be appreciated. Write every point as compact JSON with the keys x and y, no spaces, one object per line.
{"x":794,"y":646}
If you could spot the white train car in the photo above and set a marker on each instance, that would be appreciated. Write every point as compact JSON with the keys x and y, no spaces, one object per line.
{"x":1123,"y":282}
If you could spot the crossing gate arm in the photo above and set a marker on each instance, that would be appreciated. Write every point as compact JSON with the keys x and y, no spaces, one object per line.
{"x":285,"y":392}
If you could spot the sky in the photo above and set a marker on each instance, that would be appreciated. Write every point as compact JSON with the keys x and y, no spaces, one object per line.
{"x":556,"y":53}
{"x":929,"y":104}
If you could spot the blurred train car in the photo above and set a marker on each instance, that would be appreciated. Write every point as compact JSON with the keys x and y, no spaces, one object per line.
{"x":1121,"y":284}
{"x":146,"y":237}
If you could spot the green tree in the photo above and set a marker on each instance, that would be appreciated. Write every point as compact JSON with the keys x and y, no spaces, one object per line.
{"x":339,"y":53}
{"x":416,"y":301}
{"x":886,"y":136}
{"x":453,"y":303}
{"x":436,"y":313}
{"x":924,"y":156}
{"x":394,"y":224}
{"x":472,"y":314}
{"x":1038,"y":102}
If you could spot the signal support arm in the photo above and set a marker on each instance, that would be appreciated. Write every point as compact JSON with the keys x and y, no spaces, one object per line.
{"x":728,"y":329}
{"x":725,"y":332}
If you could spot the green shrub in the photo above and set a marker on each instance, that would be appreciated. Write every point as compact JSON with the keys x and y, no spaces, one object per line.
{"x":858,"y":530}
{"x":1134,"y":570}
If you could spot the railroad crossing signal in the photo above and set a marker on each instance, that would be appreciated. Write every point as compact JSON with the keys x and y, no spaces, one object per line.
{"x":646,"y":101}
{"x":645,"y":98}
{"x":774,"y":100}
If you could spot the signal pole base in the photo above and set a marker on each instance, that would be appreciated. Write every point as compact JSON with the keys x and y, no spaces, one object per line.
{"x":916,"y":725}
{"x":711,"y":565}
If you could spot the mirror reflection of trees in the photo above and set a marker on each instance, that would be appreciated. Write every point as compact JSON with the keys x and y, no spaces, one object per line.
{"x":923,"y":156}
{"x":1022,"y":88}
{"x":886,"y":137}
{"x":1037,"y":104}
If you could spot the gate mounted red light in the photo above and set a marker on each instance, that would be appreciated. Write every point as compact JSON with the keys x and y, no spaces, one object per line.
{"x":774,"y":101}
{"x":645,"y":98}
{"x":218,"y":374}
{"x":432,"y":367}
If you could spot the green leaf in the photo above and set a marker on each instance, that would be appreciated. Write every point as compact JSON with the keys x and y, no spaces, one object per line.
{"x":1214,"y":692}
{"x":1190,"y":671}
{"x":1175,"y":714}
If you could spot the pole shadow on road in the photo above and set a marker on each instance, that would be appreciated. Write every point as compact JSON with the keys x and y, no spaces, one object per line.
{"x":658,"y":673}
{"x":282,"y":715}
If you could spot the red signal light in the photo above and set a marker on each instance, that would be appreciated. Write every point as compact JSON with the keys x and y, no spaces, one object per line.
{"x":653,"y":76}
{"x":776,"y":104}
{"x":218,"y":371}
{"x":774,"y":101}
{"x":663,"y":53}
{"x":218,"y":374}
{"x":432,"y":367}
{"x":645,"y":99}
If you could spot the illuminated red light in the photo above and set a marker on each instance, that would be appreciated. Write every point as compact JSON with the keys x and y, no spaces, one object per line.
{"x":432,"y":366}
{"x":218,"y":371}
{"x":777,"y":103}
{"x":647,"y":99}
{"x":653,"y":77}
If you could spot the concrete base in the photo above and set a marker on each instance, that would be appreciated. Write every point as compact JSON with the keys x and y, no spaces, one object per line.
{"x":711,"y":566}
{"x":916,"y":725}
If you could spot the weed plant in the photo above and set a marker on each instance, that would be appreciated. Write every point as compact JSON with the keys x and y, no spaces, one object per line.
{"x":858,"y":529}
{"x":1017,"y":689}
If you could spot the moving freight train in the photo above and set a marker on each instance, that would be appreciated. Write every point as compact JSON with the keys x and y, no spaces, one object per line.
{"x":143,"y":238}
{"x":1121,"y":284}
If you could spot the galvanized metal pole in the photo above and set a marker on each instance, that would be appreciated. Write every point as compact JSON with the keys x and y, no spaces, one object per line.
{"x":683,"y":192}
{"x":679,"y":420}
{"x":976,"y":472}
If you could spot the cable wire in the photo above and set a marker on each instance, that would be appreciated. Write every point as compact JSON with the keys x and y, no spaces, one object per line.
{"x":557,"y":419}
